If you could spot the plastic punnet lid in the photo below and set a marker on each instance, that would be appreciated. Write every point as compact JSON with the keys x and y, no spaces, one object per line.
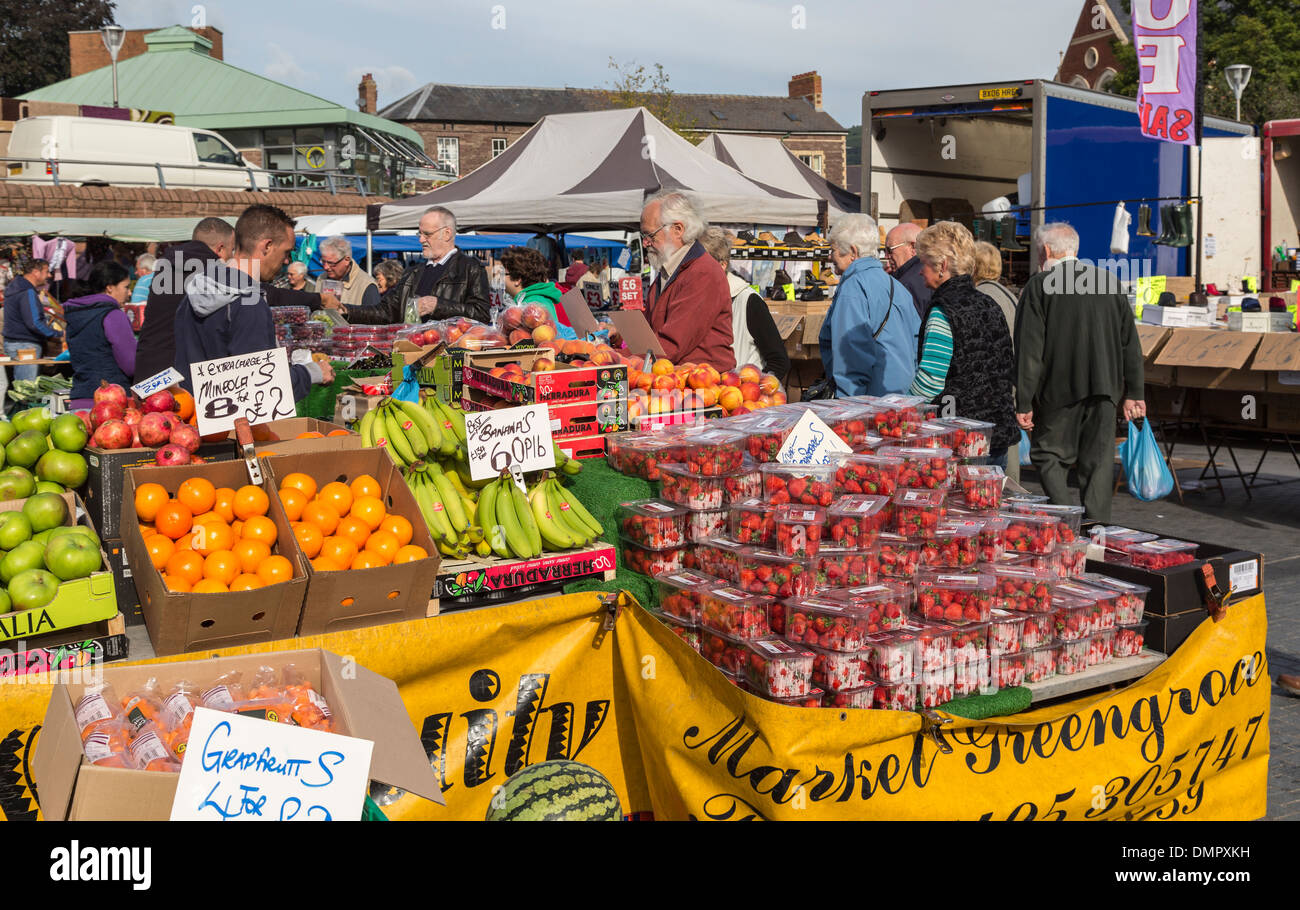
{"x":1096,"y":579}
{"x":758,"y":554}
{"x":914,"y":452}
{"x":865,"y":595}
{"x":826,"y":604}
{"x":652,"y":508}
{"x":857,"y":505}
{"x":1024,"y":497}
{"x":974,"y":472}
{"x":1092,"y":593}
{"x":919,"y":499}
{"x":965,"y":423}
{"x":774,"y":649}
{"x":941,"y":578}
{"x":1008,"y":617}
{"x":1024,"y":573}
{"x":687,"y":580}
{"x":955,"y":532}
{"x":796,"y":513}
{"x":728,"y":594}
{"x":680,"y":470}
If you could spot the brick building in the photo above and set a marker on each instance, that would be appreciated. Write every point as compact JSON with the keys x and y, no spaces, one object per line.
{"x":1089,"y":61}
{"x":86,"y":51}
{"x":464,"y":126}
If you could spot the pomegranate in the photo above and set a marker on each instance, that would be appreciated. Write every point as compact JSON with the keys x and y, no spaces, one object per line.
{"x":155,"y":429}
{"x":85,"y":418}
{"x":111,"y":393}
{"x":172,"y":455}
{"x":161,"y":402}
{"x":132,"y":416}
{"x":112,"y":434}
{"x":103,"y":412}
{"x":186,"y":437}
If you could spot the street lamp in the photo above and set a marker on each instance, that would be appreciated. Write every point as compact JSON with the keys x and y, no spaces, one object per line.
{"x":1238,"y":74}
{"x":114,"y":36}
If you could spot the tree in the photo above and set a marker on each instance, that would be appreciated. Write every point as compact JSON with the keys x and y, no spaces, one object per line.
{"x":853,"y":145}
{"x":34,"y":39}
{"x":635,"y":86}
{"x":1262,"y":33}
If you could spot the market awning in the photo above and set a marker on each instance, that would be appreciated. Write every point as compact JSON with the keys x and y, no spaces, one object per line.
{"x":137,"y":230}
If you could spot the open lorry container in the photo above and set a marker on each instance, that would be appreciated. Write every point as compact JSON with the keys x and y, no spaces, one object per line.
{"x":1041,"y":143}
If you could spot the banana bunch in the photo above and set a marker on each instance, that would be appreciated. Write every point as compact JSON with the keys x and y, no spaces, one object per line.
{"x":564,"y":463}
{"x":403,"y":429}
{"x":451,"y":420}
{"x":522,"y":525}
{"x":448,"y":509}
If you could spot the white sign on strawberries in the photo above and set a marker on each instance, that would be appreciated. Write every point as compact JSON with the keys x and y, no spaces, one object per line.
{"x":811,"y":442}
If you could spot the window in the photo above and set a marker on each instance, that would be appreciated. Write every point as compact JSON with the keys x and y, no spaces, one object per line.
{"x":213,"y":151}
{"x":498,"y":146}
{"x":1090,"y":57}
{"x":449,"y":152}
{"x":816,"y":161}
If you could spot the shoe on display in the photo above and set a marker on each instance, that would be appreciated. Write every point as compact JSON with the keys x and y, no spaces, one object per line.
{"x":1166,"y":226}
{"x":1182,"y":213}
{"x":1213,"y":290}
{"x":767,"y":237}
{"x":1144,"y":221}
{"x":1007,"y":240}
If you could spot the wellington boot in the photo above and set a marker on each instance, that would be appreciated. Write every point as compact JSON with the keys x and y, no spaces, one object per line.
{"x":1144,"y":222}
{"x":983,"y":230}
{"x":1166,"y":226}
{"x":1007,"y":236}
{"x":1182,"y":225}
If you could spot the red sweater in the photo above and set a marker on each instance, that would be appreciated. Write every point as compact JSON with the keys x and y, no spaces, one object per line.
{"x":692,"y":316}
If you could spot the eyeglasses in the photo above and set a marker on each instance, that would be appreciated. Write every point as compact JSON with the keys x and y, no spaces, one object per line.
{"x":434,"y":232}
{"x":890,"y":249}
{"x":330,"y":265}
{"x":651,"y":236}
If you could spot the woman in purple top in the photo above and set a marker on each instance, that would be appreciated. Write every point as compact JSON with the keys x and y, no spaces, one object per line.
{"x":101,"y":344}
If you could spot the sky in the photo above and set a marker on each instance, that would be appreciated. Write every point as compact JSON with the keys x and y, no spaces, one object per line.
{"x":747,"y":47}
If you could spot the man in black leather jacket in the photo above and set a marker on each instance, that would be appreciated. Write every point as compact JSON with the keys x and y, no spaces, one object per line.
{"x":447,"y":284}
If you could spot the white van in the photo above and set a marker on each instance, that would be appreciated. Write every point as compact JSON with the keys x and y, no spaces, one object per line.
{"x":124,"y":153}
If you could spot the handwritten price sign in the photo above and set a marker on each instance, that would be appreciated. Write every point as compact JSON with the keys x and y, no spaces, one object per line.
{"x":811,"y":442}
{"x":629,"y":293}
{"x":247,"y":769}
{"x":509,"y":439}
{"x":256,"y":386}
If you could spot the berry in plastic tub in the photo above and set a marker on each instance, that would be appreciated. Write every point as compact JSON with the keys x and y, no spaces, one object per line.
{"x":892,"y":657}
{"x":899,"y":557}
{"x":1038,"y":631}
{"x":851,"y":422}
{"x":1040,"y":663}
{"x":680,"y":593}
{"x":1131,"y":599}
{"x":973,"y":677}
{"x":933,"y":644}
{"x":876,"y":475}
{"x":713,"y":452}
{"x":703,"y":526}
{"x":726,"y":653}
{"x":936,"y":687}
{"x":744,"y":483}
{"x":855,"y":521}
{"x":642,"y":457}
{"x":970,"y":642}
{"x":1006,"y":632}
{"x":1101,"y":647}
{"x":838,"y":670}
{"x":825,"y":623}
{"x":812,"y":700}
{"x":856,"y":698}
{"x":1129,"y":639}
{"x":971,"y":438}
{"x":775,"y":575}
{"x":1008,"y":669}
{"x":798,"y":529}
{"x":687,"y":488}
{"x":1104,"y":599}
{"x":870,"y":443}
{"x":720,"y":558}
{"x":753,"y":522}
{"x":765,"y":435}
{"x":653,"y":524}
{"x":1116,"y":541}
{"x":1022,"y":589}
{"x":896,"y":415}
{"x":614,"y":443}
{"x":981,"y":485}
{"x":991,"y":541}
{"x":929,"y":436}
{"x":688,"y":632}
{"x":650,"y":562}
{"x":841,"y":567}
{"x":809,"y":485}
{"x":956,"y":599}
{"x":1162,"y":554}
{"x":1072,"y":656}
{"x":1029,"y":534}
{"x":923,"y":469}
{"x":1073,"y":618}
{"x":290,"y":315}
{"x":735,"y":613}
{"x":894,"y":697}
{"x":777,"y":669}
{"x":1069,"y":517}
{"x":917,"y":513}
{"x":887,"y":604}
{"x":1074,"y":557}
{"x":951,"y":548}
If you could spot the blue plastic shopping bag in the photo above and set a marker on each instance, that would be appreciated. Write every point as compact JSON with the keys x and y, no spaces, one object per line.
{"x":1149,"y":477}
{"x":408,"y":389}
{"x":1024,"y":450}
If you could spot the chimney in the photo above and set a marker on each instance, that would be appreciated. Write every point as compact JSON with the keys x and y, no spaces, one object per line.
{"x":808,"y":86}
{"x":367,"y":94}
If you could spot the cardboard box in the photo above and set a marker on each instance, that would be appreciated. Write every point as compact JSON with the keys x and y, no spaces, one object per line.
{"x":80,"y":648}
{"x":1152,"y":338}
{"x":107,"y":476}
{"x":1214,"y":378}
{"x":656,"y":421}
{"x":563,"y":385}
{"x":587,"y":418}
{"x":364,"y":704}
{"x":1166,"y":633}
{"x":128,"y":600}
{"x":356,"y":598}
{"x":77,"y":603}
{"x":1165,"y":402}
{"x":352,"y":406}
{"x":581,"y":447}
{"x":448,"y":371}
{"x":1277,"y":352}
{"x":179,"y":621}
{"x":1212,"y":359}
{"x":1155,"y":375}
{"x":1284,"y":382}
{"x":471,"y":578}
{"x":1179,"y":315}
{"x":285,"y":433}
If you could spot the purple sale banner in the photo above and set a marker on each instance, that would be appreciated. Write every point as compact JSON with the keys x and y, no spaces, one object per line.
{"x":1164,"y":34}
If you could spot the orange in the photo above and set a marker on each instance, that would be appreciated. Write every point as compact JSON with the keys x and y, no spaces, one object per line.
{"x":370,"y":510}
{"x":311,"y":434}
{"x":185,"y":541}
{"x":259,"y":527}
{"x":250,"y":500}
{"x":338,"y":495}
{"x":399,"y":527}
{"x":238,"y":528}
{"x":322,"y":515}
{"x":409,"y":553}
{"x":309,"y":538}
{"x":212,"y":536}
{"x":365,"y":485}
{"x":383,"y":544}
{"x":321,"y":564}
{"x":275,"y":569}
{"x":209,"y":516}
{"x":339,"y":433}
{"x":246,"y":582}
{"x":160,"y":550}
{"x":149,"y":498}
{"x":209,"y":586}
{"x":250,"y":553}
{"x":368,"y":560}
{"x":225,"y":503}
{"x":222,"y":566}
{"x":147,"y":531}
{"x":198,"y":493}
{"x":172,"y":583}
{"x":184,"y":404}
{"x":294,"y":501}
{"x":354,"y":529}
{"x":173,"y":519}
{"x":338,"y":550}
{"x":301,"y":482}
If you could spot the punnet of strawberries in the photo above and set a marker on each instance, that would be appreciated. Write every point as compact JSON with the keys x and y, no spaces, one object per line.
{"x":1129,"y":639}
{"x":899,"y":557}
{"x":1029,"y":534}
{"x":777,"y":669}
{"x":825,"y":623}
{"x":894,"y":697}
{"x":954,"y":598}
{"x":838,"y":670}
{"x":844,"y":567}
{"x":862,"y":697}
{"x":918,"y":513}
{"x":810,"y":485}
{"x":775,"y":575}
{"x":1006,"y":631}
{"x":970,"y":438}
{"x":798,"y":529}
{"x":680,"y":593}
{"x":653,"y":524}
{"x":738,"y":614}
{"x":1023,"y":590}
{"x":865,"y":473}
{"x":1162,"y":554}
{"x":719,"y":557}
{"x":690,"y":489}
{"x":951,"y":548}
{"x":753,"y":522}
{"x":857,"y":520}
{"x":766,"y":435}
{"x":723,"y":651}
{"x":885,"y":605}
{"x":981,"y":485}
{"x":923,"y":469}
{"x":712,"y":452}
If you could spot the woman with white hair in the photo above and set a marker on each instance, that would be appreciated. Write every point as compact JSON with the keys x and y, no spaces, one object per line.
{"x":868,"y":339}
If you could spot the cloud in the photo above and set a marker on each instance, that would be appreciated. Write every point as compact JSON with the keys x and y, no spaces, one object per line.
{"x":282,"y":67}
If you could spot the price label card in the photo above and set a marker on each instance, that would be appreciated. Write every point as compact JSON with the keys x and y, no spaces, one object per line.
{"x":256,"y":386}
{"x":592,"y":296}
{"x":247,"y":769}
{"x":811,"y":442}
{"x":509,"y":438}
{"x":157,"y":382}
{"x":629,"y":293}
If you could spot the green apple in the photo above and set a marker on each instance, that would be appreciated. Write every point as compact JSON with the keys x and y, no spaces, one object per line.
{"x":15,"y":528}
{"x":26,"y":449}
{"x":5,"y":604}
{"x":68,"y":433}
{"x":7,"y":431}
{"x":76,"y":529}
{"x":16,"y":483}
{"x":25,"y":556}
{"x":44,"y":537}
{"x":35,"y":420}
{"x":45,"y":511}
{"x":72,"y":556}
{"x":49,"y":486}
{"x":65,"y":468}
{"x":33,"y":588}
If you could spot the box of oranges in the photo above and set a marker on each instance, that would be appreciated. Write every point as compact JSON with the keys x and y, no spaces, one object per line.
{"x":358,"y":529}
{"x":212,"y":556}
{"x":298,"y":435}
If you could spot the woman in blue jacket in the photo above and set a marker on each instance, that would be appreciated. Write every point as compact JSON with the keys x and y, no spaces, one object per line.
{"x":869,"y":337}
{"x":101,"y":344}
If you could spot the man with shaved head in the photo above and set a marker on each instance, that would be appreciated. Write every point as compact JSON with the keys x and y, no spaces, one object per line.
{"x":901,"y":262}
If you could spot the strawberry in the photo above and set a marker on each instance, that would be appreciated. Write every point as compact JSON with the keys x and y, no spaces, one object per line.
{"x":898,"y":697}
{"x":735,"y":613}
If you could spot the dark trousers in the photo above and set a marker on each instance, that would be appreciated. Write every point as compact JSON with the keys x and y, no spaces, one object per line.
{"x":1081,"y":434}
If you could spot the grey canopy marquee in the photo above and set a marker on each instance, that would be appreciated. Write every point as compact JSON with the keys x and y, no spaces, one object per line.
{"x":767,"y":160}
